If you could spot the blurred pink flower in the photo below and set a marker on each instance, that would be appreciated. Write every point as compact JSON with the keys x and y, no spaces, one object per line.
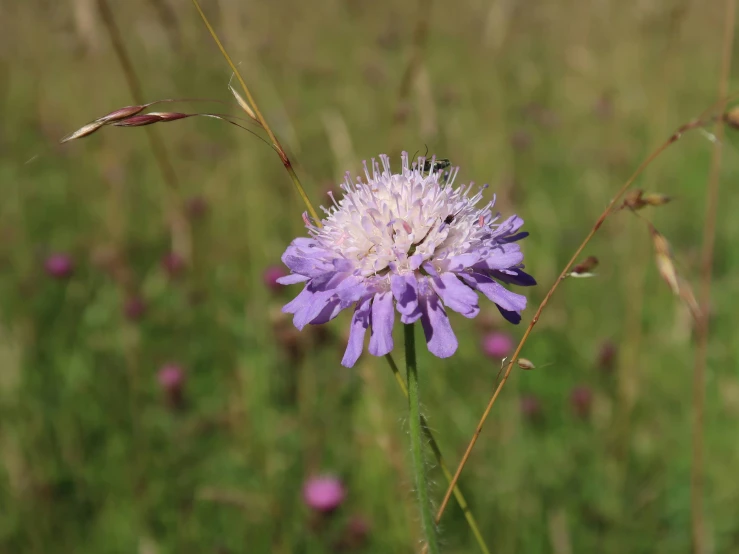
{"x":497,"y":344}
{"x":196,"y":207}
{"x":530,"y":406}
{"x":171,"y":379}
{"x":607,"y":356}
{"x":59,"y":266}
{"x":270,"y":276}
{"x":323,"y":493}
{"x":581,"y":399}
{"x":173,"y":264}
{"x":134,"y":308}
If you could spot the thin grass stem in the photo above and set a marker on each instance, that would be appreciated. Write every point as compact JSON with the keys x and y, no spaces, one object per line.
{"x":698,"y":530}
{"x":178,"y":224}
{"x":695,"y":124}
{"x":263,"y":122}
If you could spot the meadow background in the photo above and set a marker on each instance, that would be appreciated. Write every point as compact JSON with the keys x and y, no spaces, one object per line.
{"x":553,"y":104}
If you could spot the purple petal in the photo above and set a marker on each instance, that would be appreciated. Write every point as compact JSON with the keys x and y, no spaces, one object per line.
{"x":292,"y":279}
{"x":456,"y":295}
{"x":513,"y":317}
{"x":501,"y":257}
{"x":313,"y":309}
{"x":514,"y":277}
{"x":330,"y":311}
{"x":360,"y":322}
{"x":458,"y":263}
{"x":496,"y":292}
{"x":299,"y":302}
{"x":439,"y":335}
{"x":383,"y":317}
{"x":405,"y":291}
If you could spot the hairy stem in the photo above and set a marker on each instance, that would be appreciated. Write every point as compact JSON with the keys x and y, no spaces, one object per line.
{"x":701,"y":347}
{"x":415,"y":424}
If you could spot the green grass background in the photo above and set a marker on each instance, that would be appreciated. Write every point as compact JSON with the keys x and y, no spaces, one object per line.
{"x":552,"y":103}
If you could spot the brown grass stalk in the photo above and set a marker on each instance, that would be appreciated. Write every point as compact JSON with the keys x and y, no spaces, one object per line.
{"x":698,"y":530}
{"x":180,"y":232}
{"x":696,"y":123}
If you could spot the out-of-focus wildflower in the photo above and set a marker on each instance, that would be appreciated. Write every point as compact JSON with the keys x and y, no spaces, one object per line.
{"x":497,"y":344}
{"x":408,"y":241}
{"x":607,"y":353}
{"x":271,"y":276}
{"x":134,"y":308}
{"x":196,"y":207}
{"x":581,"y":400}
{"x":173,"y":264}
{"x":171,"y":379}
{"x":323,"y":493}
{"x":59,"y":266}
{"x":530,"y":407}
{"x":354,"y":535}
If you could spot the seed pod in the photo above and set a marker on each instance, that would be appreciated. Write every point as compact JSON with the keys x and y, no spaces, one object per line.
{"x":525,"y":364}
{"x":242,"y":103}
{"x":122,"y":113}
{"x":665,"y":264}
{"x":84,"y":131}
{"x":634,"y":200}
{"x":584,"y":268}
{"x":656,"y":199}
{"x":731,"y":118}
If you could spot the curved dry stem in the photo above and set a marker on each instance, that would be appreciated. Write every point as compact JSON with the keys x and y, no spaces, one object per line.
{"x":696,"y":123}
{"x":263,"y":122}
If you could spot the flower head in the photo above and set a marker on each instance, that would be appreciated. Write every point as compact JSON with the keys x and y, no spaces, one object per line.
{"x":497,"y":344}
{"x":59,"y":266}
{"x":171,"y":379}
{"x":409,"y":241}
{"x":324,"y":493}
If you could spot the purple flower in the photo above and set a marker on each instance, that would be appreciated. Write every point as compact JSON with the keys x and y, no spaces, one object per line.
{"x":59,"y":266}
{"x":171,"y":379}
{"x":173,"y":264}
{"x":272,"y":275}
{"x":134,"y":308}
{"x":581,"y":399}
{"x":324,"y":493}
{"x":409,"y":242}
{"x":196,"y":207}
{"x":497,"y":344}
{"x":530,"y":407}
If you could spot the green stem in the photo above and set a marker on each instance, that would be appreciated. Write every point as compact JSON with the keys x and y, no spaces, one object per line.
{"x":419,"y":471}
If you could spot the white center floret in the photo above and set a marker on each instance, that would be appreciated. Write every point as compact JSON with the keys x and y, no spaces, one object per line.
{"x":391,"y":217}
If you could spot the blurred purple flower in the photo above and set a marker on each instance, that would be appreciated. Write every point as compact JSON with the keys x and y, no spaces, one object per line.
{"x":134,"y":308}
{"x":59,"y":266}
{"x":324,"y":493}
{"x":530,"y":406}
{"x":173,"y":264}
{"x":497,"y":344}
{"x":607,"y":356}
{"x":272,"y":275}
{"x":411,"y":242}
{"x":581,"y":400}
{"x":171,"y":379}
{"x":196,"y":207}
